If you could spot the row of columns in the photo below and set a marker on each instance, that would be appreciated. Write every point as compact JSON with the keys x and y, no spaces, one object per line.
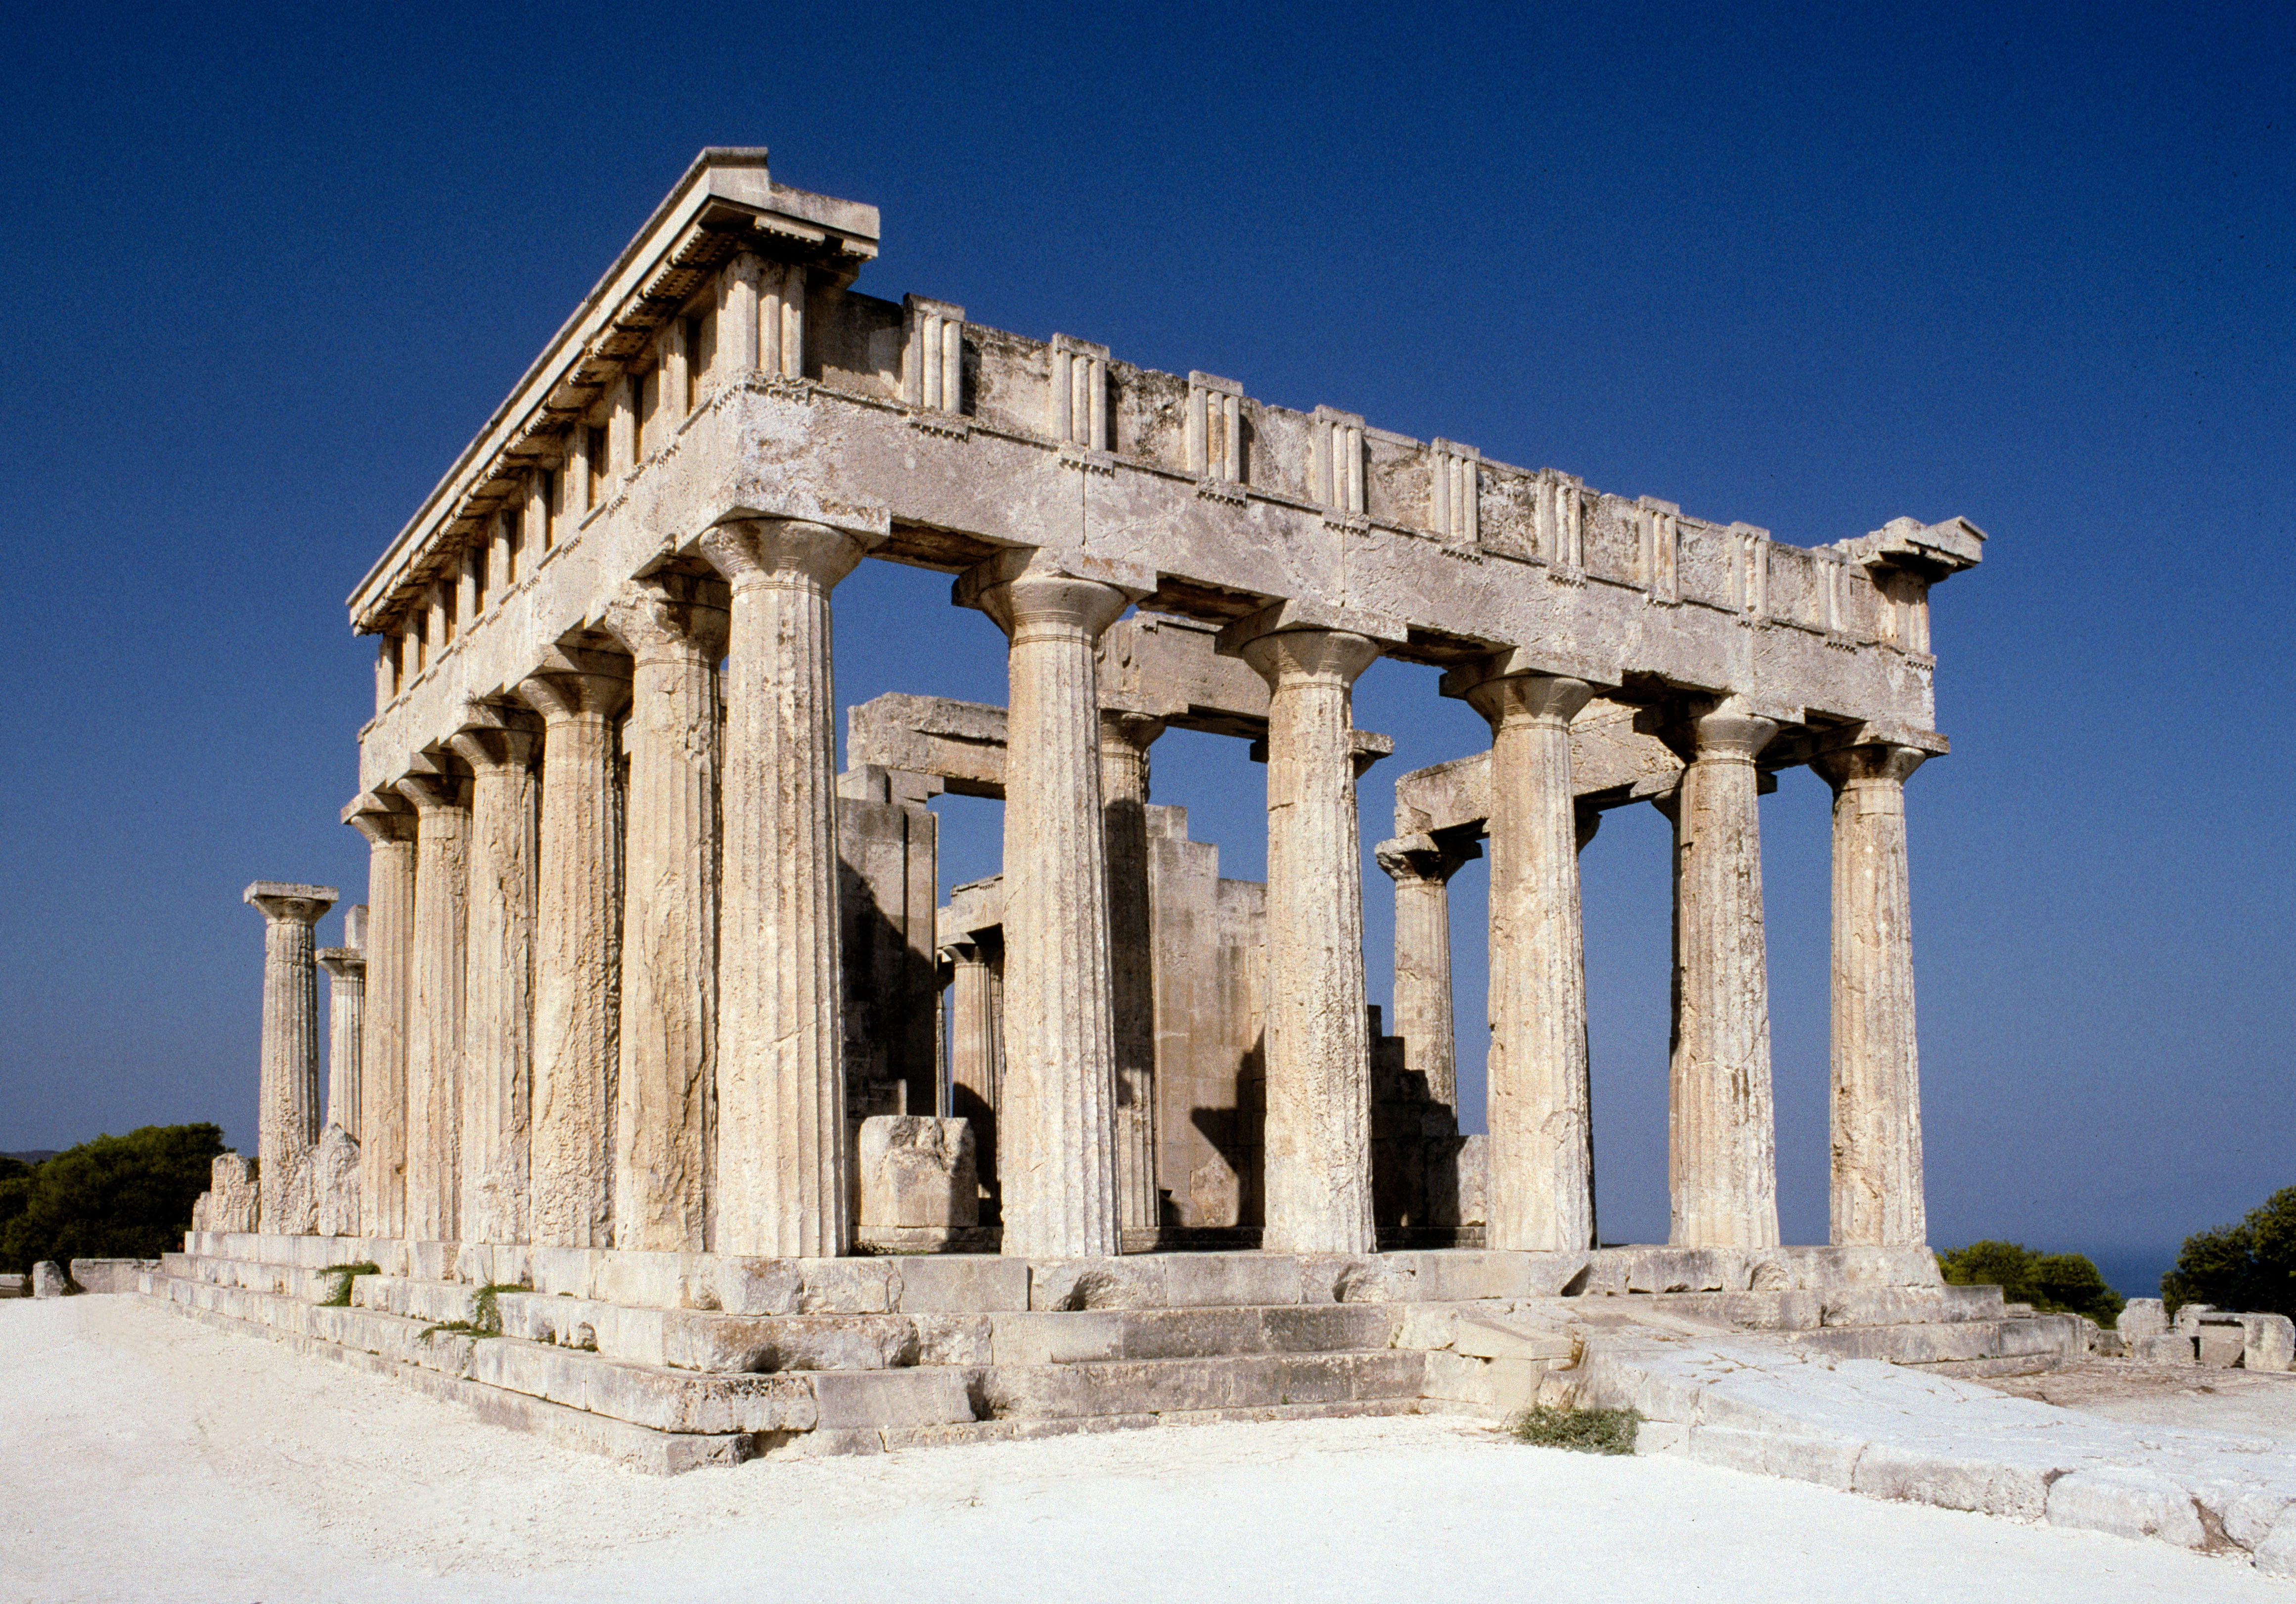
{"x":534,"y":1071}
{"x":1722,"y":1166}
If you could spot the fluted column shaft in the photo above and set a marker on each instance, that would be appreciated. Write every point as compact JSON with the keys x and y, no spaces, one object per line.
{"x":345,"y":970}
{"x":1318,"y":1046}
{"x":782,"y":1163}
{"x":382,"y":1022}
{"x":1421,"y":867}
{"x":1057,"y":1123}
{"x":1722,"y":1139}
{"x":570,"y":1200}
{"x":498,"y":979}
{"x":1541,"y":1191}
{"x":434,"y":1011}
{"x":288,"y":1089}
{"x":669,"y":915}
{"x":973,"y":1049}
{"x":1876,"y":1097}
{"x":1124,"y":741}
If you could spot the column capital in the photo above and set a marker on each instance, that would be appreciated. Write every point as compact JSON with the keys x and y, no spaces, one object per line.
{"x":1040,"y":590}
{"x":668,"y":617}
{"x":751,"y":549}
{"x":1716,"y":729}
{"x":1521,"y":662}
{"x":1291,"y":643}
{"x":434,"y":790}
{"x":1426,"y":858}
{"x":1549,"y":700}
{"x":577,"y":681}
{"x":496,"y":738}
{"x":381,"y":816}
{"x":1868,"y":762}
{"x":343,"y":962}
{"x":1136,"y":730}
{"x":286,"y":901}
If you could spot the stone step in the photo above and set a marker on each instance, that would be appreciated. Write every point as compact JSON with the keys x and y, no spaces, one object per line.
{"x":1156,"y":1387}
{"x":1810,"y":1309}
{"x":2036,"y":1336}
{"x":712,"y":1341}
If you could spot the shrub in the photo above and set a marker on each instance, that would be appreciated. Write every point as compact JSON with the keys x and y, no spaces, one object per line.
{"x":1580,"y":1430}
{"x":2056,"y":1283}
{"x":2250,"y":1267}
{"x":116,"y":1196}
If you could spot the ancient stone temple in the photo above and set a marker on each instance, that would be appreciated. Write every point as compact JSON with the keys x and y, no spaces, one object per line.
{"x":655,"y":1013}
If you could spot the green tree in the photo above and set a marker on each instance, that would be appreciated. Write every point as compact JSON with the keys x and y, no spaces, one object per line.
{"x":2250,"y":1267}
{"x":116,"y":1196}
{"x":2057,"y":1283}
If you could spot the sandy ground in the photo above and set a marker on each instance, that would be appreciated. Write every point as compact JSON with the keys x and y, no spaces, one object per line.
{"x":146,"y":1457}
{"x":2260,"y":1404}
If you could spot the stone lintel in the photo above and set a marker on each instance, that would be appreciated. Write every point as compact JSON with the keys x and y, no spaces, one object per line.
{"x":1938,"y":549}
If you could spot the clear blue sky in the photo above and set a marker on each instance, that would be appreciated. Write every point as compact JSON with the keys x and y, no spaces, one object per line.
{"x":1812,"y":267}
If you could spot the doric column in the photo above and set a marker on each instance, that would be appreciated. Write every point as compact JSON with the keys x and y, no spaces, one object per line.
{"x":287,"y":1092}
{"x":499,"y":979}
{"x":670,"y":911}
{"x":1124,"y":741}
{"x":346,"y":968}
{"x":974,"y":1047}
{"x":1722,"y":1137}
{"x":1318,"y":1118}
{"x":1057,"y":1125}
{"x":1541,"y":1191}
{"x":434,"y":1008}
{"x":782,"y":1164}
{"x":387,"y":823}
{"x":578,"y":690}
{"x":1421,"y":867}
{"x":1876,"y":1083}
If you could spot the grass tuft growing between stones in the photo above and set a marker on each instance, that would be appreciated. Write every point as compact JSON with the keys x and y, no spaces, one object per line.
{"x":1580,"y":1430}
{"x":486,"y":1315}
{"x":339,"y":1295}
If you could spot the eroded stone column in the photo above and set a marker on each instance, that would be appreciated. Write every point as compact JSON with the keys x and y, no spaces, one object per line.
{"x":783,"y":1164}
{"x":1421,"y":867}
{"x":387,"y":823}
{"x":570,"y":1201}
{"x":434,"y":1006}
{"x":1722,"y":1137}
{"x":1056,"y":1164}
{"x":1876,"y":1103}
{"x":1124,"y":741}
{"x":498,"y":979}
{"x":288,"y":1092}
{"x":1318,"y":1118}
{"x":346,"y":968}
{"x":973,"y":1048}
{"x":669,"y":912}
{"x":1541,"y":1189}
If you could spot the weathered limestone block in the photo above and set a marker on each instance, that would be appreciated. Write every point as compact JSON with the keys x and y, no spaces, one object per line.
{"x":48,"y":1280}
{"x":2142,"y":1317}
{"x":1473,"y":1170}
{"x":2270,"y":1342}
{"x":917,"y":1171}
{"x":232,"y":1202}
{"x":335,"y":1183}
{"x":111,"y":1275}
{"x":2222,"y":1343}
{"x":2165,"y":1348}
{"x":15,"y":1286}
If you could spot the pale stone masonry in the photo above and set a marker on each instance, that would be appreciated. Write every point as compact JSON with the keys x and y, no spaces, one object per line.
{"x":288,"y":1100}
{"x":640,"y":961}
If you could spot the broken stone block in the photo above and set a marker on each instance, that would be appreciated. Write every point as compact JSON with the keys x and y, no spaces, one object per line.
{"x":2142,"y":1317}
{"x":231,"y":1201}
{"x":48,"y":1280}
{"x":2271,"y":1342}
{"x":2222,"y":1343}
{"x":2163,"y":1347}
{"x":15,"y":1286}
{"x":917,"y":1171}
{"x":1473,"y":1168}
{"x":335,"y":1183}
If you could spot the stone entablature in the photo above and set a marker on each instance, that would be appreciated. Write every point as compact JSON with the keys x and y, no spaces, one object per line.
{"x":650,"y":419}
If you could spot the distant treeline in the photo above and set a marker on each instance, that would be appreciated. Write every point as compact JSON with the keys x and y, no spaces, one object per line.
{"x":2250,"y":1267}
{"x":116,"y":1196}
{"x":2055,"y":1283}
